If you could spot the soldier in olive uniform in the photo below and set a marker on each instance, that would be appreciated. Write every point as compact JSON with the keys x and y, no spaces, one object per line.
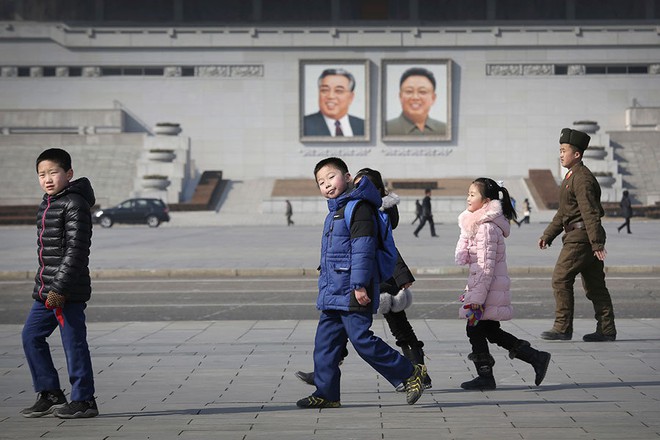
{"x":583,"y":250}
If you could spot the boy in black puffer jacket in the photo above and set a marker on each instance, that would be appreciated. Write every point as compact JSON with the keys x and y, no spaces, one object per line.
{"x":62,"y":289}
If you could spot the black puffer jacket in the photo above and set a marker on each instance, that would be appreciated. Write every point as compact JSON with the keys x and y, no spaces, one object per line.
{"x":402,"y":274}
{"x":64,"y":235}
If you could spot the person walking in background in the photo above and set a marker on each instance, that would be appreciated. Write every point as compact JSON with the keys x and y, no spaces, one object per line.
{"x":61,"y":290}
{"x":418,"y":211}
{"x":626,"y":212}
{"x":527,"y":209}
{"x":583,"y":251}
{"x":487,"y":297}
{"x":427,"y":214}
{"x":289,"y":213}
{"x":349,"y":290}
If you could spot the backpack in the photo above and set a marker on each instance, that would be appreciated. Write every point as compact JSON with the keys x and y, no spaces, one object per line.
{"x":386,"y":253}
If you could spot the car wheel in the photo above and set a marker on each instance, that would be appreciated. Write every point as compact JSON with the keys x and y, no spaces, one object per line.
{"x":153,"y":221}
{"x":105,"y":221}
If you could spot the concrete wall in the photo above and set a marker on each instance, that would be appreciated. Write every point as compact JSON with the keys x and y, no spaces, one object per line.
{"x":249,"y":126}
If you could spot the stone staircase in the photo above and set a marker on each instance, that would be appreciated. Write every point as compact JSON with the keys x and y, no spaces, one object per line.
{"x":107,"y":160}
{"x":638,"y":154}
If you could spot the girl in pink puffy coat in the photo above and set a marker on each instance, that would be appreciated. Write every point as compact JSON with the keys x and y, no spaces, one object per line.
{"x":487,"y":298}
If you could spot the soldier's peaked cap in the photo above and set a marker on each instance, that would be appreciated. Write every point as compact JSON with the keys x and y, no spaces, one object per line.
{"x":576,"y":138}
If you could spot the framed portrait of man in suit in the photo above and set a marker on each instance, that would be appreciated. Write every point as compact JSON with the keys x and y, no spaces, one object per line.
{"x":416,"y":100}
{"x":334,"y":100}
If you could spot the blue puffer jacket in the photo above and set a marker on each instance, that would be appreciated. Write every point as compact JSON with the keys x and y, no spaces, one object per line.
{"x":348,"y":257}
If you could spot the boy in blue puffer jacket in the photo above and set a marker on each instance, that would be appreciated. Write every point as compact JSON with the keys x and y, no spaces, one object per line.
{"x":349,"y":291}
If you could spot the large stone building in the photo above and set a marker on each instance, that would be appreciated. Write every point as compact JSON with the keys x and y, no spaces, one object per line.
{"x":238,"y":76}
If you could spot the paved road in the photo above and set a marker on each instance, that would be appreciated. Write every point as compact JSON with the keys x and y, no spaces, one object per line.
{"x":133,"y":248}
{"x":275,"y":298}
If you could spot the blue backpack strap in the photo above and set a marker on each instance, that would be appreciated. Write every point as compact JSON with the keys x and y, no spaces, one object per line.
{"x":348,"y":212}
{"x":348,"y":215}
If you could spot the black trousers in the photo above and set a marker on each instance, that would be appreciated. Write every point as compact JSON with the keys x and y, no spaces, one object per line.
{"x":489,"y":331}
{"x":423,"y":222}
{"x":401,"y":329}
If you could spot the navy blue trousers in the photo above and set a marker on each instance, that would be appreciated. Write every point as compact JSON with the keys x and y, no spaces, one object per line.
{"x":334,"y":328}
{"x":40,"y":324}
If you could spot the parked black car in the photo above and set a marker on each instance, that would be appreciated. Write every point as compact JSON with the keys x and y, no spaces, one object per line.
{"x":150,"y":211}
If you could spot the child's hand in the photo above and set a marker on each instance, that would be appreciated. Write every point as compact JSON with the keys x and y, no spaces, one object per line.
{"x":362,"y":297}
{"x":474,"y":313}
{"x":55,"y":301}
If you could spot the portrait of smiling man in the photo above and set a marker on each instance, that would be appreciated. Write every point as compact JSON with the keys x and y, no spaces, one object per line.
{"x":336,"y":92}
{"x":416,"y":100}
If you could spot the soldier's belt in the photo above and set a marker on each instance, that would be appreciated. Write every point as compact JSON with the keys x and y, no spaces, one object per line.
{"x":572,"y":226}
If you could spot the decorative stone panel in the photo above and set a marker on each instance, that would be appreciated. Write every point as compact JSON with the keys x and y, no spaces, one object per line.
{"x":229,"y":71}
{"x":577,"y":69}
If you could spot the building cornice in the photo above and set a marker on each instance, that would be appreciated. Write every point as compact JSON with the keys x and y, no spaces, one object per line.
{"x":333,"y":37}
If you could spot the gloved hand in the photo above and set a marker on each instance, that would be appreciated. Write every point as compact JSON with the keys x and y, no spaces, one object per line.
{"x":474,"y":313}
{"x":55,"y":301}
{"x":385,"y":304}
{"x":402,"y":300}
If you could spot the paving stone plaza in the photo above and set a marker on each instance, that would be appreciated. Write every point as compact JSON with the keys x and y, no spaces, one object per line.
{"x":235,"y":379}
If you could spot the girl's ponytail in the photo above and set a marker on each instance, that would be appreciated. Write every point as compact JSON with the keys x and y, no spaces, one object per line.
{"x":507,"y":206}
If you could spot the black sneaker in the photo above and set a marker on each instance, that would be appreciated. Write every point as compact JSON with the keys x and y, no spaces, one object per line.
{"x":317,"y":402}
{"x":47,"y":403}
{"x":414,"y":384}
{"x":78,"y":409}
{"x":554,"y":335}
{"x":598,"y":337}
{"x":308,"y":378}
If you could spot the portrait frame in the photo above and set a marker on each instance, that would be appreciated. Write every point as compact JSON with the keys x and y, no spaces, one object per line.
{"x":391,"y":104}
{"x":310,"y":128}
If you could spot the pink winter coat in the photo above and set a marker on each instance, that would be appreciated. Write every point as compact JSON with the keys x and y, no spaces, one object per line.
{"x":481,"y":246}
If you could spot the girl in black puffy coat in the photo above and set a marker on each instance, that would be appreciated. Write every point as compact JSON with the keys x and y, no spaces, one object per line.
{"x":395,"y":295}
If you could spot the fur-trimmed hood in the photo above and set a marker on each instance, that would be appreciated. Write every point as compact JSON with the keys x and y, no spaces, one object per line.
{"x":491,"y":212}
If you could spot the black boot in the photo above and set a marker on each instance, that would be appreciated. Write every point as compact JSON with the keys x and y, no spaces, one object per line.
{"x":538,"y":359}
{"x":415,"y":354}
{"x":485,"y":380}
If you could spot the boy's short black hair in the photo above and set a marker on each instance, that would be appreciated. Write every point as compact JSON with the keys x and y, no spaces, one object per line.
{"x":57,"y":155}
{"x":333,"y":161}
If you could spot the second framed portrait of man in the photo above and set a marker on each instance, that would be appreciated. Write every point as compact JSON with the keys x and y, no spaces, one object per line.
{"x":334,"y":98}
{"x":416,"y":100}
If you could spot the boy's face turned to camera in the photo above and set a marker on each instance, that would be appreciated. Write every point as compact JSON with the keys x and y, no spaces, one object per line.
{"x":332,"y":182}
{"x":52,"y":177}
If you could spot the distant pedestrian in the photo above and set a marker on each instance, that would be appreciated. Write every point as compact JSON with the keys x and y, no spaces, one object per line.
{"x":289,"y":213}
{"x":583,"y":244}
{"x":626,"y":211}
{"x":61,"y":291}
{"x":427,"y":214}
{"x":527,"y":210}
{"x":418,"y":211}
